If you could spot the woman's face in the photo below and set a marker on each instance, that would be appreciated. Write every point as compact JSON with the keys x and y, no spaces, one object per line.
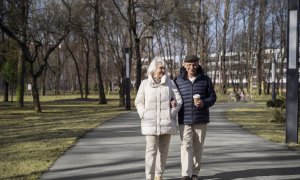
{"x":160,"y":71}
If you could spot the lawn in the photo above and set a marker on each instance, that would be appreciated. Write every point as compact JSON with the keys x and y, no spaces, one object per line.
{"x":30,"y":142}
{"x":258,"y":120}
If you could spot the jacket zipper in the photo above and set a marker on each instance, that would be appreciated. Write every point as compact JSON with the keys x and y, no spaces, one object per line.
{"x":192,"y":103}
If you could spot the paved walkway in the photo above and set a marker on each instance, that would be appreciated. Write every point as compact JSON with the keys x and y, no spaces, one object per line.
{"x":115,"y":151}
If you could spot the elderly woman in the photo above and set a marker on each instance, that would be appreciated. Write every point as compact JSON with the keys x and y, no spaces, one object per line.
{"x":158,"y":102}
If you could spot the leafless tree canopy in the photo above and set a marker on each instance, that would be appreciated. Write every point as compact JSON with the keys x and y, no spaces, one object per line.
{"x":78,"y":45}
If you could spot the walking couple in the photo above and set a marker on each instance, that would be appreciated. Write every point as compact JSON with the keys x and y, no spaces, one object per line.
{"x":159,"y":100}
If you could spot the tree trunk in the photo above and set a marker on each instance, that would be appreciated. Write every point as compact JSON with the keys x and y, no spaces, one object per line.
{"x":203,"y":36}
{"x":57,"y":73}
{"x":78,"y":77}
{"x":283,"y":48}
{"x":6,"y":91}
{"x":77,"y":70}
{"x":35,"y":95}
{"x":132,"y":24}
{"x":217,"y":44}
{"x":87,"y":52}
{"x":44,"y":81}
{"x":260,"y":57}
{"x":223,"y":59}
{"x":21,"y":62}
{"x":35,"y":91}
{"x":121,"y":92}
{"x":102,"y":98}
{"x":11,"y":89}
{"x":21,"y":80}
{"x":250,"y":48}
{"x":259,"y":69}
{"x":138,"y":63}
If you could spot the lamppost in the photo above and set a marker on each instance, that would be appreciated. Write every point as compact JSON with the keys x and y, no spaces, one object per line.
{"x":273,"y":78}
{"x":127,"y":82}
{"x":58,"y":66}
{"x":292,"y":86}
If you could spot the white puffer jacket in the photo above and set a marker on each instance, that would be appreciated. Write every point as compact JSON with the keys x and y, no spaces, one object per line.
{"x":153,"y":106}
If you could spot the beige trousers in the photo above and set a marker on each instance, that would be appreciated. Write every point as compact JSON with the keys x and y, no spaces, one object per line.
{"x":192,"y":140}
{"x":157,"y":148}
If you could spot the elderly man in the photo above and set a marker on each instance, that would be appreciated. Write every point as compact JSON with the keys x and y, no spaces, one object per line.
{"x":194,"y":114}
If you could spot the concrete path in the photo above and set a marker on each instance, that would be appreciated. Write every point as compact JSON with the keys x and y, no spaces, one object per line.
{"x":115,"y":151}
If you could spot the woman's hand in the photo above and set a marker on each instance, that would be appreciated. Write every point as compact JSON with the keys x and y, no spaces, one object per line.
{"x":173,"y":103}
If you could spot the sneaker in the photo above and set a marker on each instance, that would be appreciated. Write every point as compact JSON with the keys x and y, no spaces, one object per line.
{"x":185,"y":178}
{"x":194,"y":177}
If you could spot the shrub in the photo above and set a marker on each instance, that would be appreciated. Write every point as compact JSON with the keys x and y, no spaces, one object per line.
{"x":278,"y":115}
{"x":237,"y":97}
{"x":270,"y":103}
{"x":276,"y":103}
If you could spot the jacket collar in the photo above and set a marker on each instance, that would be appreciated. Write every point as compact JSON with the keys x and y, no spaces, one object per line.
{"x":163,"y":79}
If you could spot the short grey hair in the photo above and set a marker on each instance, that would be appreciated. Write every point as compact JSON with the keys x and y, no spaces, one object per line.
{"x":154,"y":64}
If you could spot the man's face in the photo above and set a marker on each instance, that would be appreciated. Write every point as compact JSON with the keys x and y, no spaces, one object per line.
{"x":191,"y":68}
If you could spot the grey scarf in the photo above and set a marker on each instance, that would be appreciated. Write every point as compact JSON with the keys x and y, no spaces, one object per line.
{"x":156,"y":83}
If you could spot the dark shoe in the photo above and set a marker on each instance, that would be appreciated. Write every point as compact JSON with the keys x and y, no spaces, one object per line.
{"x":185,"y":178}
{"x":194,"y":177}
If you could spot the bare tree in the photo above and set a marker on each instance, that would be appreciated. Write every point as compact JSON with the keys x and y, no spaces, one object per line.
{"x":33,"y":44}
{"x":86,"y":45}
{"x":102,"y":29}
{"x":281,"y":21}
{"x":76,"y":66}
{"x":249,"y":34}
{"x":260,"y":43}
{"x":140,"y":17}
{"x":224,"y":46}
{"x":115,"y":37}
{"x":10,"y":53}
{"x":216,"y":13}
{"x":80,"y":43}
{"x":19,"y":13}
{"x":97,"y":14}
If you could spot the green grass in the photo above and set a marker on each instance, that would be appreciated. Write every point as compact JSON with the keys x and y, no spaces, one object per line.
{"x":258,"y":121}
{"x":254,"y":98}
{"x":30,"y":142}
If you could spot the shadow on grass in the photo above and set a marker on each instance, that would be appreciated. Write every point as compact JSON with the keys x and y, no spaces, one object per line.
{"x":24,"y":133}
{"x":260,"y":121}
{"x":67,"y":121}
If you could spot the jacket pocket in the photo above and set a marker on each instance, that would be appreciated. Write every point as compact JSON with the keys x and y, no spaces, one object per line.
{"x":173,"y":113}
{"x":141,"y":114}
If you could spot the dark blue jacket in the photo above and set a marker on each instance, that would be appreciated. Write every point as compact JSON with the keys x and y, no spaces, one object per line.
{"x":189,"y":113}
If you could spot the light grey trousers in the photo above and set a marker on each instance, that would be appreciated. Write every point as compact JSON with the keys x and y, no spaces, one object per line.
{"x":157,"y":148}
{"x":192,"y":140}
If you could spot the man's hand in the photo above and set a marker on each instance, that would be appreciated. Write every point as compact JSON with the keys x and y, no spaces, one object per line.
{"x":199,"y":104}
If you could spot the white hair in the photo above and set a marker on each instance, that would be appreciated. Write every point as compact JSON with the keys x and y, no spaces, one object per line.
{"x":154,"y":64}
